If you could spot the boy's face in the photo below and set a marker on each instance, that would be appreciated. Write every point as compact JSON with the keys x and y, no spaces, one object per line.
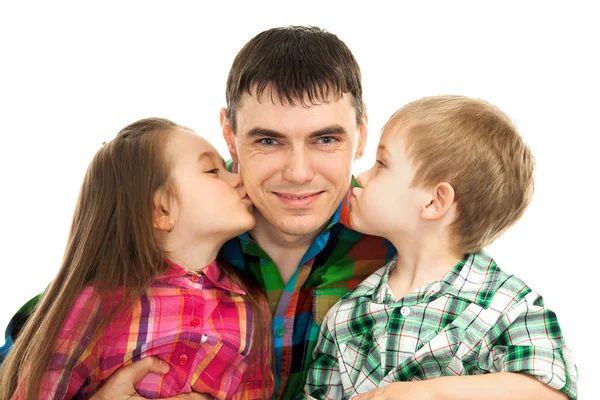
{"x":387,"y":205}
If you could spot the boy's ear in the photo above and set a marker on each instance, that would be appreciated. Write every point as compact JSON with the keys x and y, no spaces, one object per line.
{"x":362,"y":134}
{"x":161,"y":215}
{"x":228,"y":134}
{"x":441,"y":201}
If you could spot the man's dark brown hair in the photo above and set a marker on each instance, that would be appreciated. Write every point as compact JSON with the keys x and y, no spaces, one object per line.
{"x":298,"y":64}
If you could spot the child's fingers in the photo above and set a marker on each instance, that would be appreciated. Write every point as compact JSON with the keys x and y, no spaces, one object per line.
{"x":138,"y":370}
{"x":191,"y":396}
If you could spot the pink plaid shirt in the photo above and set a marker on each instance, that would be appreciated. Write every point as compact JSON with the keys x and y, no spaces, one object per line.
{"x":198,"y":323}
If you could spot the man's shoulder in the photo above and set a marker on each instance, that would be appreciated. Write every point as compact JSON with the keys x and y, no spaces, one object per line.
{"x":367,"y":287}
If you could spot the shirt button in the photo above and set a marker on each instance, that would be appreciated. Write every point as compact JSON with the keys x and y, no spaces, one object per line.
{"x":194,"y":279}
{"x":280,"y":331}
{"x":194,"y":322}
{"x":183,"y":359}
{"x":405,"y":311}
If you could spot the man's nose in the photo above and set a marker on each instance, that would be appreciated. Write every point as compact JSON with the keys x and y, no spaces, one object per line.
{"x":298,"y":168}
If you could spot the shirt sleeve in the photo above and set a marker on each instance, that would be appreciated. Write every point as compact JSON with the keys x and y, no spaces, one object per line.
{"x":324,"y":379}
{"x":61,"y":381}
{"x":527,"y":338}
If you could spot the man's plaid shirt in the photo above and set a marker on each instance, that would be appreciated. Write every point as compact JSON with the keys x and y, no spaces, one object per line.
{"x":477,"y":319}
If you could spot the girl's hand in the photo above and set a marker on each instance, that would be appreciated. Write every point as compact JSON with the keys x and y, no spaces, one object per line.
{"x":121,"y":384}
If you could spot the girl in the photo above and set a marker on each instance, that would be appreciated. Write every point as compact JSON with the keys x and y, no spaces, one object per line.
{"x":140,"y":278}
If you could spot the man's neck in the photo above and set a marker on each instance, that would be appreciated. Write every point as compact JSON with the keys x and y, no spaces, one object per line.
{"x":421,"y":260}
{"x":285,"y":250}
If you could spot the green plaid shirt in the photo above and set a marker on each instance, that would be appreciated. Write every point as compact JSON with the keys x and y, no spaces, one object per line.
{"x":477,"y":319}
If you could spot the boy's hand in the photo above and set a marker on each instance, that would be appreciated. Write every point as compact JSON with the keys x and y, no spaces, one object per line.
{"x":121,"y":384}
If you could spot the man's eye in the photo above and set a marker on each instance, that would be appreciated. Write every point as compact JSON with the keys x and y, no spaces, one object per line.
{"x":268,"y":142}
{"x":327,"y":140}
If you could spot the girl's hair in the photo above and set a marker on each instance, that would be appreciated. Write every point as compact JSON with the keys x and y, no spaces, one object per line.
{"x":112,"y":244}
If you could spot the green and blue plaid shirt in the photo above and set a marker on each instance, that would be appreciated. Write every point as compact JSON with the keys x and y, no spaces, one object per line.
{"x":477,"y":319}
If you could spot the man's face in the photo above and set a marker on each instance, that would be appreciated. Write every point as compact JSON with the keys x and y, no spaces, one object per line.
{"x":295,"y":161}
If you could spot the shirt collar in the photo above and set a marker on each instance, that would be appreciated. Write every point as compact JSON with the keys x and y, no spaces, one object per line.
{"x":212,"y":272}
{"x":467,"y":281}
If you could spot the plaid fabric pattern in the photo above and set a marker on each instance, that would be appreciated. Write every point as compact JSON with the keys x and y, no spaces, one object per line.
{"x":477,"y":319}
{"x":199,"y":323}
{"x":338,"y":260}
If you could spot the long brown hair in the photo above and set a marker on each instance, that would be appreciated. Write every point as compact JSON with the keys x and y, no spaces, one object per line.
{"x":112,"y":244}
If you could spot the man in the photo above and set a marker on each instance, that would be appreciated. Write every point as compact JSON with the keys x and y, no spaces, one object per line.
{"x":294,"y":124}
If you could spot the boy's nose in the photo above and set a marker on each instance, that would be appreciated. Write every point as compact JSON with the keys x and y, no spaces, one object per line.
{"x":362,"y":178}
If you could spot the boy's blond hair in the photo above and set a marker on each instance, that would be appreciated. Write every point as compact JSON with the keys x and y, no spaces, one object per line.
{"x":476,"y":148}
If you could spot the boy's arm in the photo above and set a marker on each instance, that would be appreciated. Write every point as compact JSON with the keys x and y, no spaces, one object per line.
{"x":324,"y":380}
{"x":528,"y":339}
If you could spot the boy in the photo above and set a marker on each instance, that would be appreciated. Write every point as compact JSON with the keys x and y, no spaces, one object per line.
{"x":451,"y":175}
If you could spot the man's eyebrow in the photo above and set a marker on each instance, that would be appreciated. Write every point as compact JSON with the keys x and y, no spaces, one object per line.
{"x":329,"y":130}
{"x":263,"y":132}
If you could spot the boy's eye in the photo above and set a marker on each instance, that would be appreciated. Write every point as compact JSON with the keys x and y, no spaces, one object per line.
{"x":327,"y":140}
{"x":268,"y":141}
{"x":379,"y":163}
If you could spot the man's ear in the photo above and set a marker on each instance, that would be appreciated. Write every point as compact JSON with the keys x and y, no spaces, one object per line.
{"x":228,"y":134}
{"x":362,"y":134}
{"x":162,"y":216}
{"x":442,"y":199}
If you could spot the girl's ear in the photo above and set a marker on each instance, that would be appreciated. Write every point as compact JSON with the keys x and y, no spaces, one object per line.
{"x":162,"y":217}
{"x":441,"y":200}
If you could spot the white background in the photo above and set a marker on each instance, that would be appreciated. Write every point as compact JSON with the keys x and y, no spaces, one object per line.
{"x":73,"y":74}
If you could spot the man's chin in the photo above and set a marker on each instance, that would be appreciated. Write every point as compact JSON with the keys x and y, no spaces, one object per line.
{"x":300,"y":227}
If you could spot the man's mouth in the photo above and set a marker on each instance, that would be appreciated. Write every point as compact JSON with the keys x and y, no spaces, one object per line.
{"x":298,"y":199}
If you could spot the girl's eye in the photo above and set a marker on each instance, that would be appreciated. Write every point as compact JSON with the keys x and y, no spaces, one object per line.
{"x":268,"y":142}
{"x":380,"y":164}
{"x":212,"y":171}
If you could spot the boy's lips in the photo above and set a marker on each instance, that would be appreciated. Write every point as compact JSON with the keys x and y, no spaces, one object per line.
{"x":298,"y":199}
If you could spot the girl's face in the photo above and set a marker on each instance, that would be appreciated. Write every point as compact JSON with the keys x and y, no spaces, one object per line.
{"x":209,"y":202}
